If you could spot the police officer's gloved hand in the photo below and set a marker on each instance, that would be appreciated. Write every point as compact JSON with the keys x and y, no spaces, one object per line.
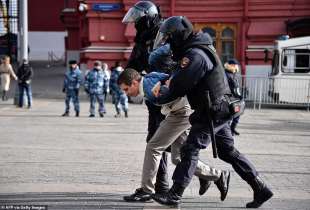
{"x":64,"y":90}
{"x":86,"y":91}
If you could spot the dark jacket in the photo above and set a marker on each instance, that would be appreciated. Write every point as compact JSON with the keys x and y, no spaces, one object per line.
{"x":144,"y":42}
{"x":233,"y":81}
{"x":199,"y":70}
{"x":25,"y":73}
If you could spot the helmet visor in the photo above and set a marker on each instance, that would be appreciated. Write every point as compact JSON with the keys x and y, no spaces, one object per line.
{"x":133,"y":15}
{"x":161,"y":39}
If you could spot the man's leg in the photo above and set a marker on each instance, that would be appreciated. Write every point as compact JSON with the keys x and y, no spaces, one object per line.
{"x":204,"y":172}
{"x":21,"y":95}
{"x":101,"y":108}
{"x":76,"y":103}
{"x":29,"y":95}
{"x":92,"y":98}
{"x":244,"y":168}
{"x":197,"y":139}
{"x":155,"y":118}
{"x":124,"y":104}
{"x":166,"y":134}
{"x":67,"y":103}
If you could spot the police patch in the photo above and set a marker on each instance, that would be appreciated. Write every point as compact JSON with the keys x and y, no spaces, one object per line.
{"x":184,"y":62}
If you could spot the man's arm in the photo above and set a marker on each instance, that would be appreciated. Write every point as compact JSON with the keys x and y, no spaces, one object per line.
{"x":190,"y":70}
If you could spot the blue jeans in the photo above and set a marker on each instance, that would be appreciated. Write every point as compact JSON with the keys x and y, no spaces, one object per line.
{"x":24,"y":87}
{"x":120,"y":102}
{"x":96,"y":97}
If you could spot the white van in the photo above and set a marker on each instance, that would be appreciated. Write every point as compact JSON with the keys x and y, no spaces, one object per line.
{"x":290,"y":75}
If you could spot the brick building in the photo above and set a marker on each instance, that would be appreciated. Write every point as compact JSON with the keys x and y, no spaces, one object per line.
{"x":240,"y":28}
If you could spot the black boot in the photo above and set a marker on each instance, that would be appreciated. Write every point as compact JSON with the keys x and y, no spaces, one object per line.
{"x":204,"y":186}
{"x":139,"y":196}
{"x":126,"y":114}
{"x":223,"y":184}
{"x":77,"y":114}
{"x":66,"y":114}
{"x":172,"y":198}
{"x":261,"y":193}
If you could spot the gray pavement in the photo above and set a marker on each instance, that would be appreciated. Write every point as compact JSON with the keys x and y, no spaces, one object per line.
{"x":90,"y":163}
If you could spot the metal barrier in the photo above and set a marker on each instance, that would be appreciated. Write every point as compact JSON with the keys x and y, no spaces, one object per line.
{"x":276,"y":91}
{"x":53,"y":59}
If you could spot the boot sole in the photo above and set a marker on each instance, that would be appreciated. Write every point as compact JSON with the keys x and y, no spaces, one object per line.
{"x":139,"y":201}
{"x":205,"y":190}
{"x":164,"y":204}
{"x":225,"y":195}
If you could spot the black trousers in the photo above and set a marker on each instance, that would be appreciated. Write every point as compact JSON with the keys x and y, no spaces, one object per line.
{"x":155,"y":118}
{"x":199,"y":138}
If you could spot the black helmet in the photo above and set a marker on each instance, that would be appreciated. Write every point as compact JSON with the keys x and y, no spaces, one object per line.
{"x":139,"y":10}
{"x":174,"y":30}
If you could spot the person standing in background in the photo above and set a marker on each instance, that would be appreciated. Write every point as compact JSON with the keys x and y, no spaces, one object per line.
{"x":25,"y":74}
{"x":6,"y":72}
{"x":72,"y":83}
{"x":95,"y":85}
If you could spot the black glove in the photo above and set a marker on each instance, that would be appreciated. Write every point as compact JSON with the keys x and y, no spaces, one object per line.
{"x":86,"y":90}
{"x":64,"y":90}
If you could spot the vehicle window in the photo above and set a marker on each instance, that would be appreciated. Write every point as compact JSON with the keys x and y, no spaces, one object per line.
{"x":296,"y":61}
{"x":302,"y":61}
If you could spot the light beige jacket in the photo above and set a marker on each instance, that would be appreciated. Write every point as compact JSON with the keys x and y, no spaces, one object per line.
{"x":6,"y":72}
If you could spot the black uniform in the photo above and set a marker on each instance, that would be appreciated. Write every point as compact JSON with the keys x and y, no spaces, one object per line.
{"x":192,"y":79}
{"x":200,"y":70}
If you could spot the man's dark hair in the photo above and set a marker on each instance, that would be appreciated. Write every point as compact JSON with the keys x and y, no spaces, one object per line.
{"x":127,"y":76}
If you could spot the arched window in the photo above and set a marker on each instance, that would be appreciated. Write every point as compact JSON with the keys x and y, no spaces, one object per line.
{"x":224,"y":38}
{"x":228,"y":33}
{"x":227,"y":41}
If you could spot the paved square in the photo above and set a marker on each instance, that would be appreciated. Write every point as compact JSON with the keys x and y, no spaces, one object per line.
{"x":90,"y":163}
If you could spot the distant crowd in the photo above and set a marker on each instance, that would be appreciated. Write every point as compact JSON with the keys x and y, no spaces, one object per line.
{"x":98,"y":82}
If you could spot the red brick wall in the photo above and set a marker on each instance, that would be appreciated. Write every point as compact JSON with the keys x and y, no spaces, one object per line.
{"x":44,"y":15}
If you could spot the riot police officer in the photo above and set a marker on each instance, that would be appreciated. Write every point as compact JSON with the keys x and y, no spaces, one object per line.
{"x":96,"y":83}
{"x":199,"y":72}
{"x":147,"y":19}
{"x":71,"y":86}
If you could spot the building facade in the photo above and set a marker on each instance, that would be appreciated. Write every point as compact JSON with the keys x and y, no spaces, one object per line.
{"x":46,"y":31}
{"x":243,"y":29}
